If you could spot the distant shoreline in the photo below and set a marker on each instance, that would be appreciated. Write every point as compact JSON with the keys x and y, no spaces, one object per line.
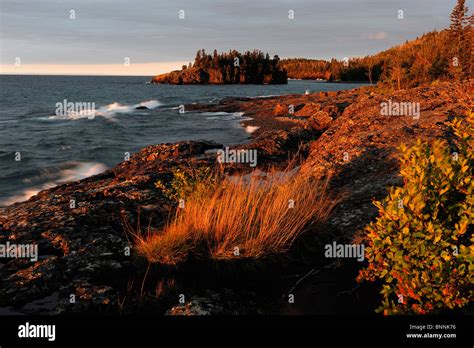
{"x":151,"y":76}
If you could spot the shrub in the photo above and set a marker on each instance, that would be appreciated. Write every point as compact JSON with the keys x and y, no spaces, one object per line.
{"x":251,"y":213}
{"x":188,"y":181}
{"x":420,"y":246}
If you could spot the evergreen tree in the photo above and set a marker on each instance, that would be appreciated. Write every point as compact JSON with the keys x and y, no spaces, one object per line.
{"x":396,"y":69}
{"x":460,"y":41}
{"x":197,"y":60}
{"x":215,"y":60}
{"x":234,"y":67}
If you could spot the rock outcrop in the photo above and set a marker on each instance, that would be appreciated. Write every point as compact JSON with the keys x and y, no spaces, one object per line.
{"x":189,"y":76}
{"x":83,"y":246}
{"x":343,"y":137}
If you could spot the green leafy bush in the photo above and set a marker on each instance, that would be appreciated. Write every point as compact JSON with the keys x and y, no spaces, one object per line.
{"x":189,"y":181}
{"x":420,"y":246}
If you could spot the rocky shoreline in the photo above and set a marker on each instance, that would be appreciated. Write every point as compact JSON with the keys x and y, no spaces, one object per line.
{"x":87,"y":262}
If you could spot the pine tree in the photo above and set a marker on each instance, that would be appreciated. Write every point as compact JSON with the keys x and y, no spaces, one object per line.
{"x":370,"y":67}
{"x":197,"y":60}
{"x":396,"y":69}
{"x":460,"y":41}
{"x":215,"y":60}
{"x":458,"y":18}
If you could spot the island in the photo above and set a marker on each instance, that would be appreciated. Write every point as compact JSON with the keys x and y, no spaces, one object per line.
{"x":228,"y":68}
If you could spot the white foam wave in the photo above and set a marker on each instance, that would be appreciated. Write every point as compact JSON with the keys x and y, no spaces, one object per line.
{"x":72,"y":171}
{"x":70,"y":115}
{"x":108,"y":111}
{"x":151,"y":104}
{"x":221,"y":115}
{"x":251,"y":129}
{"x":265,"y":96}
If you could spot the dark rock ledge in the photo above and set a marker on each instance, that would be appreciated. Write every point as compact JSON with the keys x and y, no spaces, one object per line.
{"x":340,"y":135}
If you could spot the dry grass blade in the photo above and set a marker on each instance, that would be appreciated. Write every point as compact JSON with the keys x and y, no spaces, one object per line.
{"x":251,"y":214}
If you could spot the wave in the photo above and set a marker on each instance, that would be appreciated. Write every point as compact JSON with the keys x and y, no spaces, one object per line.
{"x":222,"y":115}
{"x":108,"y":111}
{"x":151,"y":104}
{"x":251,"y":129}
{"x":54,"y":176}
{"x":265,"y":96}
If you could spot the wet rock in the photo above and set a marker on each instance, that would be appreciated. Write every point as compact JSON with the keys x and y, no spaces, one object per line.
{"x":82,"y":249}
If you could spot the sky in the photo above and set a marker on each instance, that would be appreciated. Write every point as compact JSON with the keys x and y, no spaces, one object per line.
{"x":147,"y":37}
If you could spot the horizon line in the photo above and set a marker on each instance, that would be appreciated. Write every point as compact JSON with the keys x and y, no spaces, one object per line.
{"x":132,"y":69}
{"x":73,"y":74}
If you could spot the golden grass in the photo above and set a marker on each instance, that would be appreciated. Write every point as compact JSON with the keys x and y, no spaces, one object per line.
{"x":250,"y":213}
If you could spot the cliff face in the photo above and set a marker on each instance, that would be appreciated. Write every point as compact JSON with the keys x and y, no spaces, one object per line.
{"x":189,"y":76}
{"x":202,"y":76}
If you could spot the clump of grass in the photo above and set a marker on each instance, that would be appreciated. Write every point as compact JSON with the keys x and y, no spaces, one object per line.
{"x":246,"y":216}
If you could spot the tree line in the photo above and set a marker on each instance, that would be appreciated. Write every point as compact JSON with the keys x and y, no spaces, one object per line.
{"x":251,"y":67}
{"x":434,"y":56}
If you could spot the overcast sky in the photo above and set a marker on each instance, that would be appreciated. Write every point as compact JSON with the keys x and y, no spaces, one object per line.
{"x":150,"y":33}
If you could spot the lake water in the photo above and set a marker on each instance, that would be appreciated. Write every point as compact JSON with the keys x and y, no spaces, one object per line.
{"x":40,"y":148}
